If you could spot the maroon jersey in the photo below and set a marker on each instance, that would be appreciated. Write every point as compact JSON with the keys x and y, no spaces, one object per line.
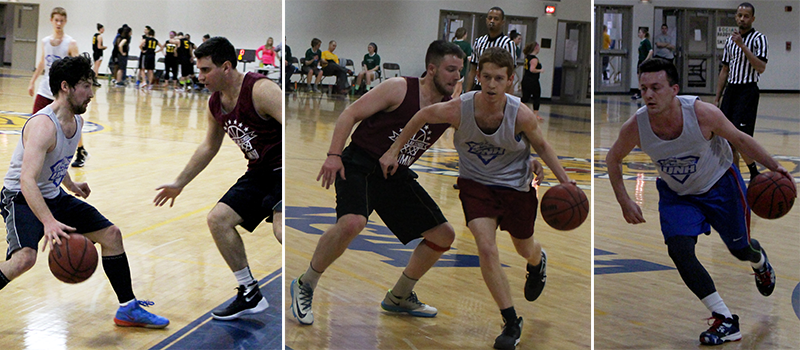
{"x":259,"y":138}
{"x":377,"y":133}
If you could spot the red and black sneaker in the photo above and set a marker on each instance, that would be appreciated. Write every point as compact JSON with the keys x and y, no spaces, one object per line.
{"x":765,"y":277}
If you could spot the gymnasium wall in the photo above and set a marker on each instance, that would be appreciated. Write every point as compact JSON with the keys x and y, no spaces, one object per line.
{"x":403,"y":29}
{"x":246,"y":23}
{"x":783,"y":68}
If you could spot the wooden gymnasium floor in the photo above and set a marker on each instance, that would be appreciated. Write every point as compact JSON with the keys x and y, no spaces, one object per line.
{"x":347,"y":299}
{"x":640,"y":300}
{"x":146,"y":139}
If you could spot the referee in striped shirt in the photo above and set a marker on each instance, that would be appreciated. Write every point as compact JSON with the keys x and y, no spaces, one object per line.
{"x":495,"y":21}
{"x":743,"y":61}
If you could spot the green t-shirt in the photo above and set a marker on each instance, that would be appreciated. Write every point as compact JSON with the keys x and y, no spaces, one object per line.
{"x":371,"y":61}
{"x":310,"y":53}
{"x":467,"y":48}
{"x":644,"y":48}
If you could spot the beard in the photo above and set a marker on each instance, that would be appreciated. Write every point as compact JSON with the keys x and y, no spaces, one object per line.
{"x":441,"y":87}
{"x":75,"y":106}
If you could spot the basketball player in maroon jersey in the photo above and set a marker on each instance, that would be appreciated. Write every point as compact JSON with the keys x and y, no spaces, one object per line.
{"x":248,"y":108}
{"x":361,"y":188}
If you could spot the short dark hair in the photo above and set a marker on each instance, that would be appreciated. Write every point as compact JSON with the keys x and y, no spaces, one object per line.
{"x":206,"y":36}
{"x":99,"y":26}
{"x":460,"y":32}
{"x":219,"y":49}
{"x":653,"y":65}
{"x":748,"y":5}
{"x":665,"y":25}
{"x":497,"y":8}
{"x":315,"y":42}
{"x":151,"y":32}
{"x":70,"y":69}
{"x":514,"y":34}
{"x":499,"y":56}
{"x":440,"y":48}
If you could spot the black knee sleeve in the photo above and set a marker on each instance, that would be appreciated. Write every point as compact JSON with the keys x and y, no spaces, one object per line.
{"x":751,"y":253}
{"x":694,"y":275}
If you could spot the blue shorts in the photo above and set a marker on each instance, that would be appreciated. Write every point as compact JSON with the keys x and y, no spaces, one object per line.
{"x":25,"y":230}
{"x":724,"y":207}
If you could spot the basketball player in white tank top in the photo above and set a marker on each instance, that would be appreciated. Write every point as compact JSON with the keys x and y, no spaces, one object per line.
{"x":688,"y":209}
{"x":490,"y":117}
{"x":55,"y":46}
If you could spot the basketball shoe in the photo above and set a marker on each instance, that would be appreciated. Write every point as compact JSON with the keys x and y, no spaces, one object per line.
{"x":765,"y":277}
{"x":510,"y":336}
{"x":410,"y":305}
{"x":302,"y":295}
{"x":133,"y":315}
{"x":248,"y":301}
{"x":534,"y":285}
{"x":722,"y":329}
{"x":80,"y":157}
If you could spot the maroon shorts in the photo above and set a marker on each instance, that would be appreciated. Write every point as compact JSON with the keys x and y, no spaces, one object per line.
{"x":515,"y":211}
{"x":40,"y":102}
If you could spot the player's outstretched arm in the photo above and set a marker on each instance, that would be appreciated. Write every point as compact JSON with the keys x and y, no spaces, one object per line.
{"x":527,"y":124}
{"x":712,"y":118}
{"x":437,"y":113}
{"x":628,"y":139}
{"x":38,"y":137}
{"x":200,"y":159}
{"x":387,"y":96}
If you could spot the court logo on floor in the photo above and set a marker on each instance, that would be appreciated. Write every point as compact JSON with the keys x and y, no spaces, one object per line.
{"x":11,"y":123}
{"x":375,"y":238}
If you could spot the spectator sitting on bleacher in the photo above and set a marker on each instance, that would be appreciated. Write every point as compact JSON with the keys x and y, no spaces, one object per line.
{"x":266,"y":54}
{"x":331,"y":67}
{"x":369,"y":68}
{"x":312,"y":66}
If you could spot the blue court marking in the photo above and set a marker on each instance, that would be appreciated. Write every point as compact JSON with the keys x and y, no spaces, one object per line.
{"x":375,"y":238}
{"x":259,"y":331}
{"x":11,"y":123}
{"x":614,"y":266}
{"x":796,"y":300}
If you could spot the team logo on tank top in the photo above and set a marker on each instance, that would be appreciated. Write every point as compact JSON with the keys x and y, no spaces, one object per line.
{"x":679,"y":168}
{"x":419,"y":142}
{"x":59,"y":170}
{"x":485,"y":151}
{"x":242,"y":135}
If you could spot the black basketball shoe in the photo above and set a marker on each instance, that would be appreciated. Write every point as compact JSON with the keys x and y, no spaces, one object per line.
{"x":536,"y":279}
{"x":248,"y":301}
{"x":765,"y":277}
{"x":510,"y":336}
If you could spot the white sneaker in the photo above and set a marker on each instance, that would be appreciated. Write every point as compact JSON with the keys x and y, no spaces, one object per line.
{"x":410,"y":305}
{"x":302,"y":296}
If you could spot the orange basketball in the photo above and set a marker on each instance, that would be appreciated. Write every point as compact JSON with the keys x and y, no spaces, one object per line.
{"x":74,"y":260}
{"x":770,"y":195}
{"x":564,"y":207}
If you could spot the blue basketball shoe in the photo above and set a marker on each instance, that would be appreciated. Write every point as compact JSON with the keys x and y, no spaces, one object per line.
{"x":722,"y":330}
{"x":133,"y":315}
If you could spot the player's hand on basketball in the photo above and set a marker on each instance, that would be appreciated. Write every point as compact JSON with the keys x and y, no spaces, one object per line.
{"x":168,"y":192}
{"x":388,"y":164}
{"x":632,"y":212}
{"x":788,"y":175}
{"x":53,"y":232}
{"x":332,"y":166}
{"x":538,"y":171}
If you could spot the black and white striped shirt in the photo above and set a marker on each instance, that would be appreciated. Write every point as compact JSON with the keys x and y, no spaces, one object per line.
{"x":483,"y":43}
{"x":740,"y":70}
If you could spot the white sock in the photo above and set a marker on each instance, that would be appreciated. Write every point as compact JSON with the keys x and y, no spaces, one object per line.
{"x":760,"y":263}
{"x":127,"y":302}
{"x":714,"y":303}
{"x":244,"y":277}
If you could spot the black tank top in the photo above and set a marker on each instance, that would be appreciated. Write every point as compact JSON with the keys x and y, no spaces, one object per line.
{"x":150,"y":45}
{"x":96,"y":45}
{"x":377,"y":133}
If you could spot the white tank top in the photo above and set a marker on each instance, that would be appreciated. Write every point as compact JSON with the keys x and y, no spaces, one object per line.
{"x":499,"y":159}
{"x":51,"y":54}
{"x":56,"y":163}
{"x":689,"y":164}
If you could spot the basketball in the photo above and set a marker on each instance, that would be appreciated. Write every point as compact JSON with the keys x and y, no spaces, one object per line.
{"x":770,"y":195}
{"x":564,"y":207}
{"x":74,"y":260}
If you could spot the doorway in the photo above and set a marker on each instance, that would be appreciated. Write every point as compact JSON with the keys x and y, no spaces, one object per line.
{"x":612,"y":49}
{"x":571,"y":77}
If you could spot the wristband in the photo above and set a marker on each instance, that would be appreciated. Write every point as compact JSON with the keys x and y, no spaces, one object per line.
{"x":334,"y":154}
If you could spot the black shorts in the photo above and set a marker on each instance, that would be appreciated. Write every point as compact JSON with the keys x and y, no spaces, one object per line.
{"x":25,"y":230}
{"x":400,"y":201}
{"x":187,"y":68}
{"x":150,"y":62}
{"x":740,"y":105}
{"x":255,"y":196}
{"x":97,"y":55}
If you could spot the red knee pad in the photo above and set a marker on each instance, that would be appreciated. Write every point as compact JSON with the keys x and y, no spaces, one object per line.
{"x":434,"y":246}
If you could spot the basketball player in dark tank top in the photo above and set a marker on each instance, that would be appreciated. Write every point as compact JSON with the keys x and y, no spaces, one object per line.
{"x":382,"y":112}
{"x":247,"y":108}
